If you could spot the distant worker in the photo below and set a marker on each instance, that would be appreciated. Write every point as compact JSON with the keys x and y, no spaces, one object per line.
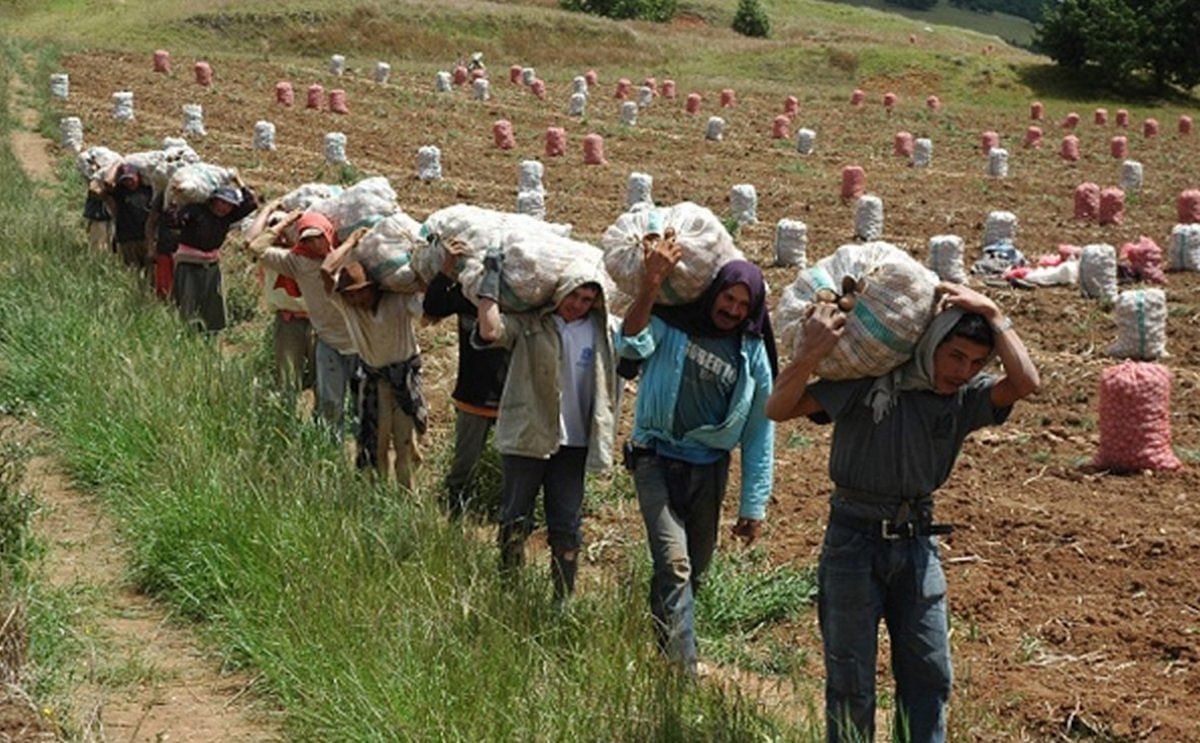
{"x":129,"y":200}
{"x":198,"y":289}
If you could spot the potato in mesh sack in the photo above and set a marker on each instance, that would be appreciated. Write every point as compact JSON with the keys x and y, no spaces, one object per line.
{"x":478,"y":229}
{"x":887,"y":296}
{"x":95,"y":161}
{"x":364,"y":204}
{"x":533,"y":264}
{"x":307,"y":195}
{"x":194,"y":183}
{"x":387,"y":249}
{"x":705,"y":242}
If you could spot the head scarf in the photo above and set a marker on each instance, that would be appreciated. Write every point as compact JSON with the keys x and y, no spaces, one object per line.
{"x":917,"y":372}
{"x":695,"y":318}
{"x":310,"y":219}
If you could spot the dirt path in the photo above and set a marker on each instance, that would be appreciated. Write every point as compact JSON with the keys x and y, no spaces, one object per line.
{"x":31,"y":149}
{"x":145,"y":679}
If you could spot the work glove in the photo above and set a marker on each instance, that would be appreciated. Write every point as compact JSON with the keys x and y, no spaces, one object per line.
{"x":489,"y":285}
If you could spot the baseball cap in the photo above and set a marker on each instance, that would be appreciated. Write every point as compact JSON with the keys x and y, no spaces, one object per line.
{"x":228,"y":195}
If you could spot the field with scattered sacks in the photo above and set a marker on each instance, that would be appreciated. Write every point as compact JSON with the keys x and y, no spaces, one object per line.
{"x":1074,"y":592}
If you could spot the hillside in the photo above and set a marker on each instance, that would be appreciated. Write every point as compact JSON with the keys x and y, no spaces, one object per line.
{"x":1073,"y":592}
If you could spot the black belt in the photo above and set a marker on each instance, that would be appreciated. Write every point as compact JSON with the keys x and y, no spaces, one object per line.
{"x":888,"y":529}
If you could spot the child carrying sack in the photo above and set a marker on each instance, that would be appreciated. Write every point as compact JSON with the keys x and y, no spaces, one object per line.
{"x":1135,"y":418}
{"x":888,"y":299}
{"x":705,"y":242}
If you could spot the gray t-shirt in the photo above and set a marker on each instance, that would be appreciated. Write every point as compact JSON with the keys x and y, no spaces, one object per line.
{"x":710,"y":372}
{"x":909,"y":453}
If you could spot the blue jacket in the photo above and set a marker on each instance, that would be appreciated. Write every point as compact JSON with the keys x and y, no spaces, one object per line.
{"x":746,"y":424}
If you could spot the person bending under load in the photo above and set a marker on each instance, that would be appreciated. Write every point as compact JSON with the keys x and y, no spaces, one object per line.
{"x":129,"y":200}
{"x":98,"y":220}
{"x":335,"y":356}
{"x":895,"y":440}
{"x":706,"y":377}
{"x":292,"y":335}
{"x":383,"y":326}
{"x":557,"y":411}
{"x":477,"y":389}
{"x":202,"y":228}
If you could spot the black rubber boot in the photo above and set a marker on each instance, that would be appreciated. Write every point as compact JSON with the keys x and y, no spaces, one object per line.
{"x":562,"y":571}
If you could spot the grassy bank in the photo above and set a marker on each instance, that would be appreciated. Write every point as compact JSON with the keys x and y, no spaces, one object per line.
{"x":365,"y":615}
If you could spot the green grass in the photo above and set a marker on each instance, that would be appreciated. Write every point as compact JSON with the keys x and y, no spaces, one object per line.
{"x":1007,"y":27}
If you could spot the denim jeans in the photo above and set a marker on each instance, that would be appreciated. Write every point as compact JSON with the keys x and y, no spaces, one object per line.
{"x":862,"y":578}
{"x":334,"y":373}
{"x":681,"y":506}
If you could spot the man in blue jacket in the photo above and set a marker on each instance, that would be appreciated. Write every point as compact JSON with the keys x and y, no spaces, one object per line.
{"x":707,"y":373}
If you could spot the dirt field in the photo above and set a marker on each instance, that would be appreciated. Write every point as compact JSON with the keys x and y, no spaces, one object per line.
{"x":1075,"y":595}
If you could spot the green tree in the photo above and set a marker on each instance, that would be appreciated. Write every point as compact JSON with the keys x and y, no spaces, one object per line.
{"x":648,"y":10}
{"x":1124,"y":41}
{"x":914,"y":4}
{"x":751,"y":19}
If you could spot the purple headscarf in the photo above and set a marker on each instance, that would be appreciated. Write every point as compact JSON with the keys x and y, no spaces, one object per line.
{"x":695,"y":318}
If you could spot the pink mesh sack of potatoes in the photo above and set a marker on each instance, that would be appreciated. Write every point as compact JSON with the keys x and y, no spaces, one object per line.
{"x":1135,"y":418}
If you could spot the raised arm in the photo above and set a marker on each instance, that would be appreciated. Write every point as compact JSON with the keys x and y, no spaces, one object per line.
{"x":790,"y":398}
{"x":490,"y":323}
{"x":1021,"y":378}
{"x":658,"y":262}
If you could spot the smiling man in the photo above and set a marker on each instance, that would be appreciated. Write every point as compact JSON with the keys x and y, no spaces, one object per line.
{"x":707,"y":373}
{"x":895,"y":440}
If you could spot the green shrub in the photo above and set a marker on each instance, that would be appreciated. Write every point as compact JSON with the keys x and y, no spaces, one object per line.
{"x":646,"y":10}
{"x":751,"y":19}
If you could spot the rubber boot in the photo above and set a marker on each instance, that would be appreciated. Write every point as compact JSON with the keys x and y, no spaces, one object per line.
{"x":562,"y":571}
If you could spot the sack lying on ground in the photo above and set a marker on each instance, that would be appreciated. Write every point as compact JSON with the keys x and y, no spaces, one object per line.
{"x":362,"y":205}
{"x":195,"y":183}
{"x":388,"y":248}
{"x":1141,"y":316}
{"x":705,"y":242}
{"x":1135,"y":418}
{"x":95,"y":161}
{"x":888,"y":299}
{"x":479,"y":229}
{"x":307,"y":195}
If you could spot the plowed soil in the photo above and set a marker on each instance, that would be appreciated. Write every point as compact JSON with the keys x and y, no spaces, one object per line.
{"x":1075,"y":594}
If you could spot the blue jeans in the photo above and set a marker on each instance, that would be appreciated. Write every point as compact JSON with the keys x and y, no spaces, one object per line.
{"x":862,"y":578}
{"x":334,"y":373}
{"x":681,"y":506}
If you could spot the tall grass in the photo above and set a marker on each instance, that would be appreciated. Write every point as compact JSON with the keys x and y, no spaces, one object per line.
{"x":366,"y":615}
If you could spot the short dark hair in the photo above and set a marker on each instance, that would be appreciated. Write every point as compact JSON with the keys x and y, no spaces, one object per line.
{"x":974,"y":328}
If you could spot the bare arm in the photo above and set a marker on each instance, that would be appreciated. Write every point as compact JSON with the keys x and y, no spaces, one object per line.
{"x":790,"y":399}
{"x":490,"y":322}
{"x":658,"y":261}
{"x":1021,"y":378}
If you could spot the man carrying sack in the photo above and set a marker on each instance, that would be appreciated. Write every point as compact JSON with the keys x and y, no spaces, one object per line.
{"x":707,"y":372}
{"x":895,"y":440}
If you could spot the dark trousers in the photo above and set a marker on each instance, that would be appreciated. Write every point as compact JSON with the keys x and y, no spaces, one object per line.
{"x":681,"y":506}
{"x":201,"y":297}
{"x":560,"y":478}
{"x":470,"y":439}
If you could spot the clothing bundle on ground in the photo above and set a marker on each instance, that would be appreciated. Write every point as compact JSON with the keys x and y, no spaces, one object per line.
{"x":888,"y":299}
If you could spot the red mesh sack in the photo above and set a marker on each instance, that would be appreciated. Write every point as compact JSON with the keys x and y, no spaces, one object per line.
{"x":1135,"y":418}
